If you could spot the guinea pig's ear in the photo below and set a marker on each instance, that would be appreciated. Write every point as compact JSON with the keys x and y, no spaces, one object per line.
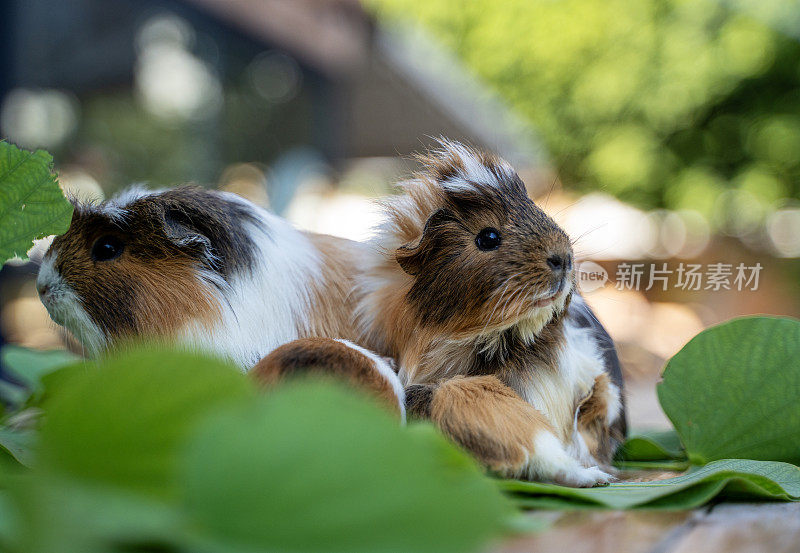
{"x":182,"y":233}
{"x":413,"y":256}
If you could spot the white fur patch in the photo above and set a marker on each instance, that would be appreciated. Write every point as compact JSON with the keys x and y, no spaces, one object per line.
{"x":64,"y":307}
{"x":614,"y":404}
{"x":555,"y":393}
{"x":552,"y":462}
{"x":131,"y":194}
{"x":386,"y":371}
{"x":267,"y":307}
{"x":614,"y":407}
{"x":474,"y":171}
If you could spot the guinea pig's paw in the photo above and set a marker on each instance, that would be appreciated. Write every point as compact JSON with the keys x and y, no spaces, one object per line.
{"x":583,"y":477}
{"x":550,"y":461}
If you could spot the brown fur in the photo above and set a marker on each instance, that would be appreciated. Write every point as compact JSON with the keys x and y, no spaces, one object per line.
{"x":435,"y":285}
{"x":332,"y":299}
{"x":150,"y":289}
{"x":325,"y":357}
{"x":592,"y":416}
{"x":445,"y":308}
{"x":489,"y":420}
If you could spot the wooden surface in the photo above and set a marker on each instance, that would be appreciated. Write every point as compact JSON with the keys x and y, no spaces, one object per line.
{"x":722,"y":528}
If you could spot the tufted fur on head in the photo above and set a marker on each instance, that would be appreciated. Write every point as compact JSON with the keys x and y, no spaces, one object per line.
{"x":444,"y":305}
{"x":432,"y":283}
{"x":206,"y":269}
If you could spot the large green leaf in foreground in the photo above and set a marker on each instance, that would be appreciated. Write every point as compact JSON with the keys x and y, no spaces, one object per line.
{"x":731,"y":478}
{"x":31,"y":203}
{"x":734,"y":391}
{"x":318,"y":469}
{"x":165,"y":451}
{"x":121,"y":421}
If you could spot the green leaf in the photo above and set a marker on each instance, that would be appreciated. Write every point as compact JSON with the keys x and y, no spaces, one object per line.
{"x":12,"y":394}
{"x":29,"y":367}
{"x":122,"y":421}
{"x":17,"y":444}
{"x":59,"y":514}
{"x":314,"y":468}
{"x":730,"y":478}
{"x":652,"y":446}
{"x":31,"y":203}
{"x":9,"y":522}
{"x":733,"y":391}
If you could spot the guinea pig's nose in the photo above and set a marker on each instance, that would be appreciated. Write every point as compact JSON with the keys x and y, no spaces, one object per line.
{"x":42,"y":289}
{"x":559,"y":263}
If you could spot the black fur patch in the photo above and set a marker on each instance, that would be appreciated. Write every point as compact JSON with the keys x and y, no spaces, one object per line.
{"x":418,"y":401}
{"x":205,"y":225}
{"x":171,"y":234}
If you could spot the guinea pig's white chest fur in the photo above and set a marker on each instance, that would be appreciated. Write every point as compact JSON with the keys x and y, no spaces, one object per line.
{"x":557,"y":393}
{"x":268,"y":306}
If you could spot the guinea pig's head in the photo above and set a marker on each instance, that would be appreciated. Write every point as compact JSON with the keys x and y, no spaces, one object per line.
{"x":481,"y":255}
{"x":144,"y":265}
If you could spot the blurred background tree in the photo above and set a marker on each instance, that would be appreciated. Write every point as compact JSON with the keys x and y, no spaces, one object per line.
{"x":662,"y":103}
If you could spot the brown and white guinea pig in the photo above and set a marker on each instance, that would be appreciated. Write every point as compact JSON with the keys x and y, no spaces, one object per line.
{"x":208,"y":270}
{"x":340,"y":359}
{"x":472,"y":291}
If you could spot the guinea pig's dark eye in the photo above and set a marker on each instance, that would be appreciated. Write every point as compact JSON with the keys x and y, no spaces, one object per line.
{"x":488,"y":239}
{"x":107,"y":248}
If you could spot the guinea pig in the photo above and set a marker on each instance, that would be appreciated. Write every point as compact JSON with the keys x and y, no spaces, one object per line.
{"x":205,"y":269}
{"x":471,"y":288}
{"x":338,"y":359}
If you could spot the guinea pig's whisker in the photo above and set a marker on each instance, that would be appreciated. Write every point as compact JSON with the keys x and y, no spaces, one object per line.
{"x":584,"y":234}
{"x":517,"y":294}
{"x":583,"y":254}
{"x":573,"y":204}
{"x":552,"y":187}
{"x":500,"y":296}
{"x":521,"y":305}
{"x":526,"y":292}
{"x":510,"y":300}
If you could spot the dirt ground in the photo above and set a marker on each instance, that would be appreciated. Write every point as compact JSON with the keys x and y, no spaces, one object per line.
{"x":722,"y":528}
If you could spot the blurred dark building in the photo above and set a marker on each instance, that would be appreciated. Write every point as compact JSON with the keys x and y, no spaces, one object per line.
{"x":176,"y":90}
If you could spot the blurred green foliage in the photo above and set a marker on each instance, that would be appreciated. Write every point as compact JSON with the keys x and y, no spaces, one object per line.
{"x":663,"y":103}
{"x":160,"y":450}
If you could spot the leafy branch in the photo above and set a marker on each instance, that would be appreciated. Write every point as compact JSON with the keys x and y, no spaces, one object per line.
{"x":32,"y":205}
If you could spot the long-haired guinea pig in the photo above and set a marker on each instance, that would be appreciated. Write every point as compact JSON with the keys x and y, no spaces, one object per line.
{"x":472,"y":291}
{"x":208,"y":270}
{"x":337,"y":359}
